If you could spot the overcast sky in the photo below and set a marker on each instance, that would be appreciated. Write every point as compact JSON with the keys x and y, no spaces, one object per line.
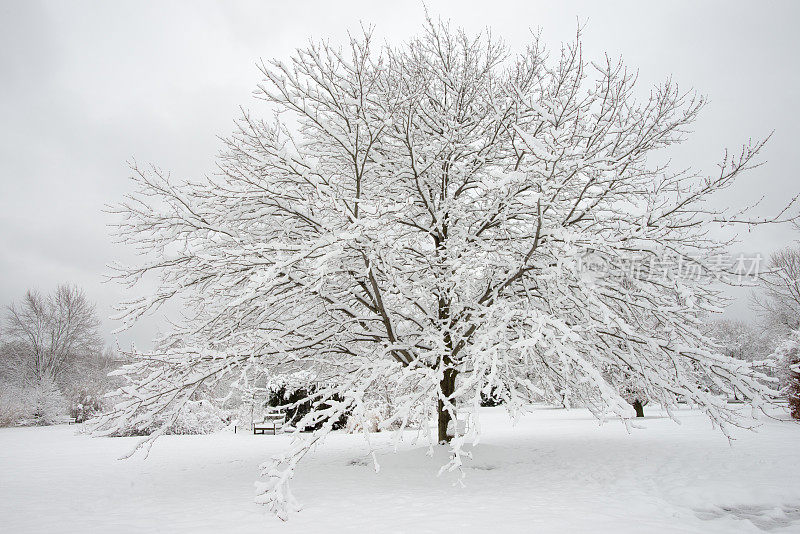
{"x":87,"y":86}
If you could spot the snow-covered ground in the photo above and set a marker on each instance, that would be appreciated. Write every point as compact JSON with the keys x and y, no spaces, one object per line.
{"x":556,"y":471}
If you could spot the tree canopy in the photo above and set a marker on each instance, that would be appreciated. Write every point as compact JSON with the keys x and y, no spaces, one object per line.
{"x":441,"y":219}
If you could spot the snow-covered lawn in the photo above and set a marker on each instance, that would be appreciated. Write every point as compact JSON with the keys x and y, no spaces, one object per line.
{"x":556,"y":471}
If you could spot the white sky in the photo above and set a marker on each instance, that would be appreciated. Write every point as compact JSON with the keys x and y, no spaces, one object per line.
{"x":88,"y":85}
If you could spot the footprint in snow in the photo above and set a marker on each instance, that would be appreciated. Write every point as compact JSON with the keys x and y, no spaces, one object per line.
{"x":764,"y":517}
{"x":485,"y":467}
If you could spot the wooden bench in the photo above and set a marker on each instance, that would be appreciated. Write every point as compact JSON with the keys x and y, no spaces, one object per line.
{"x":272,"y":421}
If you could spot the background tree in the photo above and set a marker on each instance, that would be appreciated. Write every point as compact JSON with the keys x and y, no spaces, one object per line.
{"x":52,"y":357}
{"x":50,"y":332}
{"x":779,"y":306}
{"x":752,"y":342}
{"x":419,"y":217}
{"x":780,"y":302}
{"x":749,"y":341}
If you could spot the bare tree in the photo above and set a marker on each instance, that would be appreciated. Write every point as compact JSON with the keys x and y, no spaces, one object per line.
{"x":780,"y":302}
{"x":48,"y":333}
{"x":420,"y":217}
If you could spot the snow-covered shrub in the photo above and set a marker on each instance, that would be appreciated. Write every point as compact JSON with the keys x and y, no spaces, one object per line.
{"x":86,"y":383}
{"x":788,"y":355}
{"x":193,"y":417}
{"x":13,"y":407}
{"x":46,"y":403}
{"x":198,"y":417}
{"x":244,"y":414}
{"x":298,"y":394}
{"x":793,"y":388}
{"x":299,"y":403}
{"x":746,"y":341}
{"x":378,"y":411}
{"x":491,"y":398}
{"x":85,"y":404}
{"x":39,"y":404}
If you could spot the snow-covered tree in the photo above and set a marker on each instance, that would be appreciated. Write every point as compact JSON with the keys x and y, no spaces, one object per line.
{"x":53,"y":341}
{"x":421,"y":219}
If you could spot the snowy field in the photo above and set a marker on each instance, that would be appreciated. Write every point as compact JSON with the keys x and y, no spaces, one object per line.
{"x":556,"y":471}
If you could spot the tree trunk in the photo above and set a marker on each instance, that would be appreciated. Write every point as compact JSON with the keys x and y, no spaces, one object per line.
{"x":639,"y":407}
{"x":447,"y":386}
